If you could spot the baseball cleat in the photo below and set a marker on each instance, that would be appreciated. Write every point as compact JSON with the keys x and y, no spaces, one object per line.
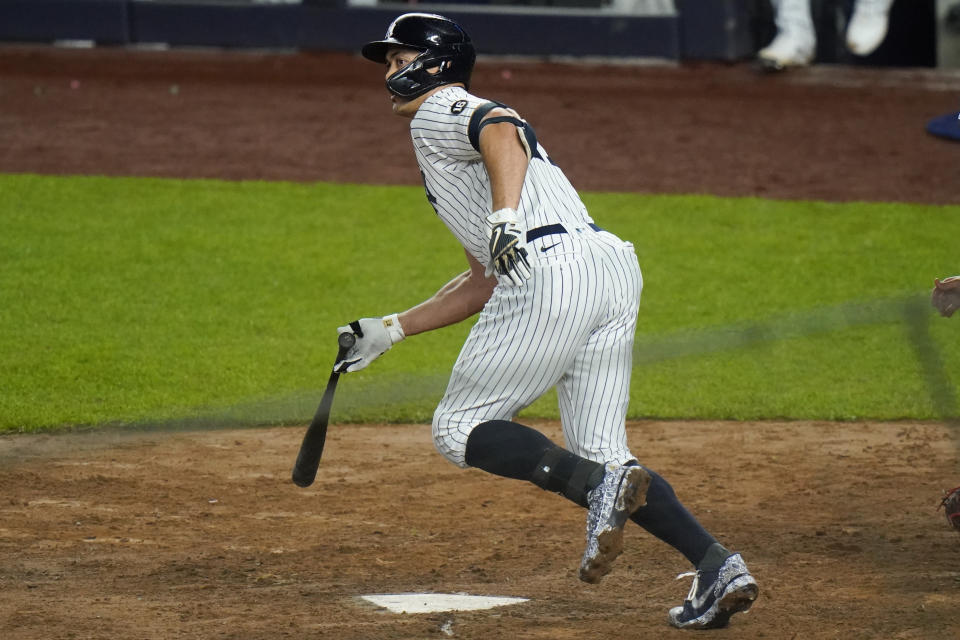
{"x":868,"y":26}
{"x":716,"y":595}
{"x":622,"y":491}
{"x":788,"y":49}
{"x":796,"y":39}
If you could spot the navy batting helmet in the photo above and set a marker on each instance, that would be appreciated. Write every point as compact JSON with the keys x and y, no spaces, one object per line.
{"x":443,"y":44}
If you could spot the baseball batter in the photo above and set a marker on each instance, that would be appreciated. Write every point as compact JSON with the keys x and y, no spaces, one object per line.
{"x":557,"y":298}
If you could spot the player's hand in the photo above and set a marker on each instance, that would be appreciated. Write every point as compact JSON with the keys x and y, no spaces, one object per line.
{"x":945,"y":296}
{"x":508,"y":257}
{"x":375,"y":336}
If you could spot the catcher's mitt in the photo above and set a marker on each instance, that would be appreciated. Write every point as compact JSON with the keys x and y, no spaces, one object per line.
{"x":945,"y":296}
{"x":951,"y":507}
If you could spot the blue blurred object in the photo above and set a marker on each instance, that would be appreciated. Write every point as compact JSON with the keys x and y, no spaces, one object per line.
{"x":946,"y":126}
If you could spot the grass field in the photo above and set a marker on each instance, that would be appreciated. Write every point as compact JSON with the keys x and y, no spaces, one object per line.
{"x":148,"y":301}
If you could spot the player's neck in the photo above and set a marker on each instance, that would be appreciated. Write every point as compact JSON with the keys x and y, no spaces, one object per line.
{"x":409,"y":108}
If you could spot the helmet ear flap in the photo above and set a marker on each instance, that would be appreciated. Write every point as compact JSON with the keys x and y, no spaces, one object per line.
{"x":416,"y":78}
{"x":407,"y":83}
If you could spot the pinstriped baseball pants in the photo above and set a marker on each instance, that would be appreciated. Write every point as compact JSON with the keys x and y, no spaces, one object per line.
{"x":571,"y":325}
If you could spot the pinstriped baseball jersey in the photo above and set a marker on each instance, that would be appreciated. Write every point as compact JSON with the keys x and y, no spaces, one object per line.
{"x":570,"y":326}
{"x":457,"y":183}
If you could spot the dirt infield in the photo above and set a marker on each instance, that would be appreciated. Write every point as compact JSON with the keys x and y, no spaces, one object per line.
{"x":202,"y":534}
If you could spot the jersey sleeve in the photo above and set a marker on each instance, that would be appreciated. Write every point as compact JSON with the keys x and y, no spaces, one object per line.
{"x":442,"y":128}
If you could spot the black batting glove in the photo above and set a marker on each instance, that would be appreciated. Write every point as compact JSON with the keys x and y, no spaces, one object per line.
{"x":508,"y":257}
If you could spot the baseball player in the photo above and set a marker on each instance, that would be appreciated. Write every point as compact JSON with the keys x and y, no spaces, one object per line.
{"x":557,"y":298}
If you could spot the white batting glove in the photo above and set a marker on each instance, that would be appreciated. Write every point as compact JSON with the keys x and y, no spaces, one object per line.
{"x":375,"y":336}
{"x":507,"y":255}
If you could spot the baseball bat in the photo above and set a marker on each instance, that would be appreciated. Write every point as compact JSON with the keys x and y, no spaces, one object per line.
{"x":305,"y":469}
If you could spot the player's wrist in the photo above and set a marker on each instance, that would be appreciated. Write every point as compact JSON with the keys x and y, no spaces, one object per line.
{"x":505,"y":215}
{"x":394,"y":329}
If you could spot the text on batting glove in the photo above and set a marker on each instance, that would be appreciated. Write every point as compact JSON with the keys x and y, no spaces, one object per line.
{"x":508,"y":257}
{"x":374,"y":336}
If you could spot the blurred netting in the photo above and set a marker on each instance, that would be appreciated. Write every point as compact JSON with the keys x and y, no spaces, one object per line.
{"x":369,"y":401}
{"x":420,"y":394}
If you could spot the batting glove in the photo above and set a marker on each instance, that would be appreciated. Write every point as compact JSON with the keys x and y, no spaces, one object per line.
{"x":507,"y":255}
{"x":375,"y":336}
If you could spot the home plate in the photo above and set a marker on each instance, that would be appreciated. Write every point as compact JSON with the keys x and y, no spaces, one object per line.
{"x":437,"y":602}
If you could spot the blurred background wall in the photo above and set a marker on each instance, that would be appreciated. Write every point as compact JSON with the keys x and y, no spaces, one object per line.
{"x":922,"y":32}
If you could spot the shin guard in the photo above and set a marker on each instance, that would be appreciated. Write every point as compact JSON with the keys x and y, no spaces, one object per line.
{"x":513,"y":450}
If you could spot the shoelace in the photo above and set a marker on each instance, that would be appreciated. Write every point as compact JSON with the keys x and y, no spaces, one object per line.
{"x":696,"y":582}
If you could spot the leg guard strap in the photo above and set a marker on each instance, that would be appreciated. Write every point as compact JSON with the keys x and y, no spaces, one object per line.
{"x":562,"y":472}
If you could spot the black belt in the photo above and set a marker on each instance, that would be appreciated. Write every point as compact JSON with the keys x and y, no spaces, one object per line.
{"x":550,"y":229}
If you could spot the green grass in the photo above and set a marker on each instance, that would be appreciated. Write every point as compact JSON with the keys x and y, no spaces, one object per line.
{"x":144,"y":301}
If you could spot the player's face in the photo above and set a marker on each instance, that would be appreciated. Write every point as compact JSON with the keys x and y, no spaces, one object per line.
{"x":397,"y":59}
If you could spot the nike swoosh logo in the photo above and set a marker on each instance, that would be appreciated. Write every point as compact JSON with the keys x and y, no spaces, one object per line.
{"x":698,"y":603}
{"x":708,"y":594}
{"x":545,"y":249}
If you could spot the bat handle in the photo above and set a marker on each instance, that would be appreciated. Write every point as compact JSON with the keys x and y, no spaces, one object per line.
{"x":346,"y":340}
